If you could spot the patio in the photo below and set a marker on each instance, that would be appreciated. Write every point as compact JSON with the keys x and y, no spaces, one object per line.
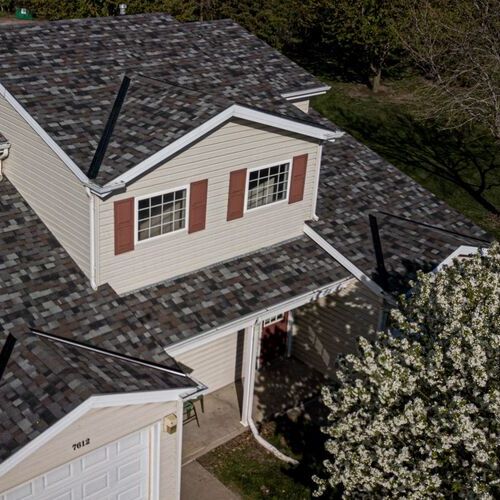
{"x":285,"y":384}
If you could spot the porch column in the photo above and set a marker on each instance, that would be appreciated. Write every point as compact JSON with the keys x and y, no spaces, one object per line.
{"x":252,"y":335}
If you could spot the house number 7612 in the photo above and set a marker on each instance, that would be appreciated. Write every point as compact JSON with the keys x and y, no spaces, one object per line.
{"x":81,"y":444}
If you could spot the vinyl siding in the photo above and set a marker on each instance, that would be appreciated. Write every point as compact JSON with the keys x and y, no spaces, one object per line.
{"x":330,"y":326}
{"x":101,"y":426}
{"x":217,"y":363}
{"x":46,"y":183}
{"x":234,"y":146}
{"x":302,"y":105}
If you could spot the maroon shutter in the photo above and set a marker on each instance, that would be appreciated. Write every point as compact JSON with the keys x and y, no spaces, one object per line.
{"x":236,"y":202}
{"x":298,"y":178}
{"x":198,"y":205}
{"x":124,"y":225}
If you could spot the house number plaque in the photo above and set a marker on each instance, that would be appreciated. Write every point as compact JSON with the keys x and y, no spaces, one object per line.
{"x":80,"y":444}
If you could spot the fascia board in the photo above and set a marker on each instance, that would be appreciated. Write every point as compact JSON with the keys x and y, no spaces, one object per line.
{"x":101,"y":401}
{"x":234,"y":111}
{"x":43,"y":135}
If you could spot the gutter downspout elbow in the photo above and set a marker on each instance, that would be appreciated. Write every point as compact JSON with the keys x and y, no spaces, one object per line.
{"x":4,"y":152}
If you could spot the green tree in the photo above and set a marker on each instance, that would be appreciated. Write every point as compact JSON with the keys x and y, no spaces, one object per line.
{"x":417,"y":413}
{"x":364,"y":30}
{"x":456,"y":43}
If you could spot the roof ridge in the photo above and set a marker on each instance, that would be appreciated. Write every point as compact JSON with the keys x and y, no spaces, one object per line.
{"x":106,"y":352}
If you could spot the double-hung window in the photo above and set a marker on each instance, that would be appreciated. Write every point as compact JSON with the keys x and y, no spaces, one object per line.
{"x":161,"y":214}
{"x":267,"y":185}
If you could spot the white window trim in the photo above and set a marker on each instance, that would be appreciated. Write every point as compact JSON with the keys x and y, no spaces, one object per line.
{"x":145,"y":197}
{"x":267,"y":205}
{"x":271,"y":320}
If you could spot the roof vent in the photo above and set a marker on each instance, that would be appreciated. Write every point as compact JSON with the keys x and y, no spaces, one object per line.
{"x":123,"y":9}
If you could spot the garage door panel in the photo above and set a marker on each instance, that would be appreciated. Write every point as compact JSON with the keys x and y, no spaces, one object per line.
{"x":117,"y":471}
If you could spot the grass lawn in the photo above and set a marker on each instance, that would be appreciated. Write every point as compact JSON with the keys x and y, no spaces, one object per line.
{"x":248,"y":469}
{"x":387,"y":123}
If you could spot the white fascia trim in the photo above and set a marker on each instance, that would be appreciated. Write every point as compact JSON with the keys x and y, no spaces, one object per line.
{"x":304,"y":94}
{"x":343,"y":261}
{"x":461,"y":251}
{"x":250,"y":319}
{"x":234,"y":111}
{"x":104,"y":401}
{"x":43,"y":135}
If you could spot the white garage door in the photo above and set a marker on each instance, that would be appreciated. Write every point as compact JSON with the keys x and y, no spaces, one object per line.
{"x":118,"y":471}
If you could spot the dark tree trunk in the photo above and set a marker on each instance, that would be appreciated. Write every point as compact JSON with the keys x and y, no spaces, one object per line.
{"x":376,"y":78}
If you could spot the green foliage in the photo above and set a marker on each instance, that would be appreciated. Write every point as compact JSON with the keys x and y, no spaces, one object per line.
{"x":438,"y":159}
{"x":417,"y":413}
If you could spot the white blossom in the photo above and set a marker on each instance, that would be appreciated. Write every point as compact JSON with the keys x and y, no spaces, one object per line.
{"x":417,"y":415}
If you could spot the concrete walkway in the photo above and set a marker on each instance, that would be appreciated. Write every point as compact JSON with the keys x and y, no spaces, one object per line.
{"x":199,"y":484}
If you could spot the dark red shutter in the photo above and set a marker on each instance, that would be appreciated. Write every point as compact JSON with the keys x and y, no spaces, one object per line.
{"x":237,"y":186}
{"x":198,"y":206}
{"x":298,"y":180}
{"x":124,"y":225}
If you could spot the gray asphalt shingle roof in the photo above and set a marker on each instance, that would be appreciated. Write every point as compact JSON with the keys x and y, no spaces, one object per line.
{"x":67,"y":74}
{"x":46,"y":379}
{"x":41,"y":287}
{"x":355,"y":181}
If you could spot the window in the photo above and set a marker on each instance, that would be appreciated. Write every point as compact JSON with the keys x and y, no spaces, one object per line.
{"x":161,"y":214}
{"x":267,"y":185}
{"x":273,"y":319}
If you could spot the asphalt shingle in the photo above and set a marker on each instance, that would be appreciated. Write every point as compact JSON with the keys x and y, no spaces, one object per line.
{"x":67,"y":74}
{"x":356,"y":182}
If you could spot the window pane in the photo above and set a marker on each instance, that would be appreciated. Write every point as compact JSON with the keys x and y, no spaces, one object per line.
{"x":168,"y":198}
{"x":156,"y":200}
{"x":144,"y":214}
{"x":161,"y":214}
{"x":267,"y":185}
{"x":143,"y":235}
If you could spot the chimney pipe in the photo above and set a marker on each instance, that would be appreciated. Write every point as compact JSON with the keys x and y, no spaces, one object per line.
{"x":123,"y":9}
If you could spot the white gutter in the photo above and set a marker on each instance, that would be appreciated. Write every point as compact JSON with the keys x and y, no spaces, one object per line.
{"x":316,"y":182}
{"x":4,"y":152}
{"x":343,"y":261}
{"x":305,"y":94}
{"x":247,"y":321}
{"x":461,"y":251}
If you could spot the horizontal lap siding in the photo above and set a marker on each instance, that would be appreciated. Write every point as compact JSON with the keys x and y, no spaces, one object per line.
{"x":330,"y":326}
{"x":218,"y":363}
{"x":49,"y":187}
{"x":234,"y":146}
{"x":101,"y":427}
{"x":303,"y":105}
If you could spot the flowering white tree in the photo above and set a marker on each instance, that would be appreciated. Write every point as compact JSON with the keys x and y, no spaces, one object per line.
{"x":417,"y":413}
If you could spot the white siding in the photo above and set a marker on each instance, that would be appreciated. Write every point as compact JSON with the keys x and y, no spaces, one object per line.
{"x":46,"y":183}
{"x":330,"y":326}
{"x":101,"y":426}
{"x":302,"y":105}
{"x":217,"y":363}
{"x":234,"y":146}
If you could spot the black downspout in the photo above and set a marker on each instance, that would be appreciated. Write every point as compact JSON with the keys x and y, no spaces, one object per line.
{"x":5,"y":353}
{"x":379,"y":255}
{"x":108,"y":130}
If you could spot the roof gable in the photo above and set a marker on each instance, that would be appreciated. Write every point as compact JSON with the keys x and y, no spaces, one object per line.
{"x":65,"y":76}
